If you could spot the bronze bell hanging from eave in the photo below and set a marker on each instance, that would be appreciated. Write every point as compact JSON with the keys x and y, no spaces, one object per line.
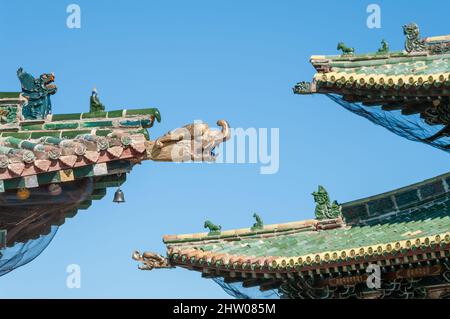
{"x":119,"y":196}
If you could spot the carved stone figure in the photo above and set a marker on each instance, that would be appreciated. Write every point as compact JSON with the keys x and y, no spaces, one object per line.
{"x":37,"y":92}
{"x":151,"y":261}
{"x":193,"y":142}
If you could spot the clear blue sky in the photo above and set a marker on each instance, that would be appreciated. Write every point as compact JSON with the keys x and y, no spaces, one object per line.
{"x":206,"y":60}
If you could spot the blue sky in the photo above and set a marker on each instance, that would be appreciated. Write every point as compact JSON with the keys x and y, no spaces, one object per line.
{"x":206,"y":60}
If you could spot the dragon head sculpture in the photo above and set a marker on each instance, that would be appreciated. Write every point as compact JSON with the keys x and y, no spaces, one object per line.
{"x":192,"y":142}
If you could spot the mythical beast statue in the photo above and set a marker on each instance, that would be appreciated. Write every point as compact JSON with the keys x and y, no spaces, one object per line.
{"x":37,"y":93}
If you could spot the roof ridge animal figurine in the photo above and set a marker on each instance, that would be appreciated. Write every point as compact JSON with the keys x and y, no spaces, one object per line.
{"x":213,"y":229}
{"x":413,"y":41}
{"x":324,"y":209}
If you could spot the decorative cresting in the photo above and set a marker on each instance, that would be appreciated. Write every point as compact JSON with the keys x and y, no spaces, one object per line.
{"x":193,"y":142}
{"x":37,"y":91}
{"x":325,"y":209}
{"x":151,"y":261}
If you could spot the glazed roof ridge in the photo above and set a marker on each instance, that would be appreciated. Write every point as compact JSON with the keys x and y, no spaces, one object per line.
{"x":269,"y":230}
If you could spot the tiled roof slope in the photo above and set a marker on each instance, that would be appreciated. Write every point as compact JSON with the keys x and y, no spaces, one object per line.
{"x":22,"y":221}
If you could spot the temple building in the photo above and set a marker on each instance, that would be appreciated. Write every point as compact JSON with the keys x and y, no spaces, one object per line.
{"x":392,"y":245}
{"x":52,"y":165}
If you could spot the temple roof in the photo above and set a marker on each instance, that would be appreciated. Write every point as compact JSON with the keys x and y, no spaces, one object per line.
{"x":415,"y":230}
{"x":39,"y":148}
